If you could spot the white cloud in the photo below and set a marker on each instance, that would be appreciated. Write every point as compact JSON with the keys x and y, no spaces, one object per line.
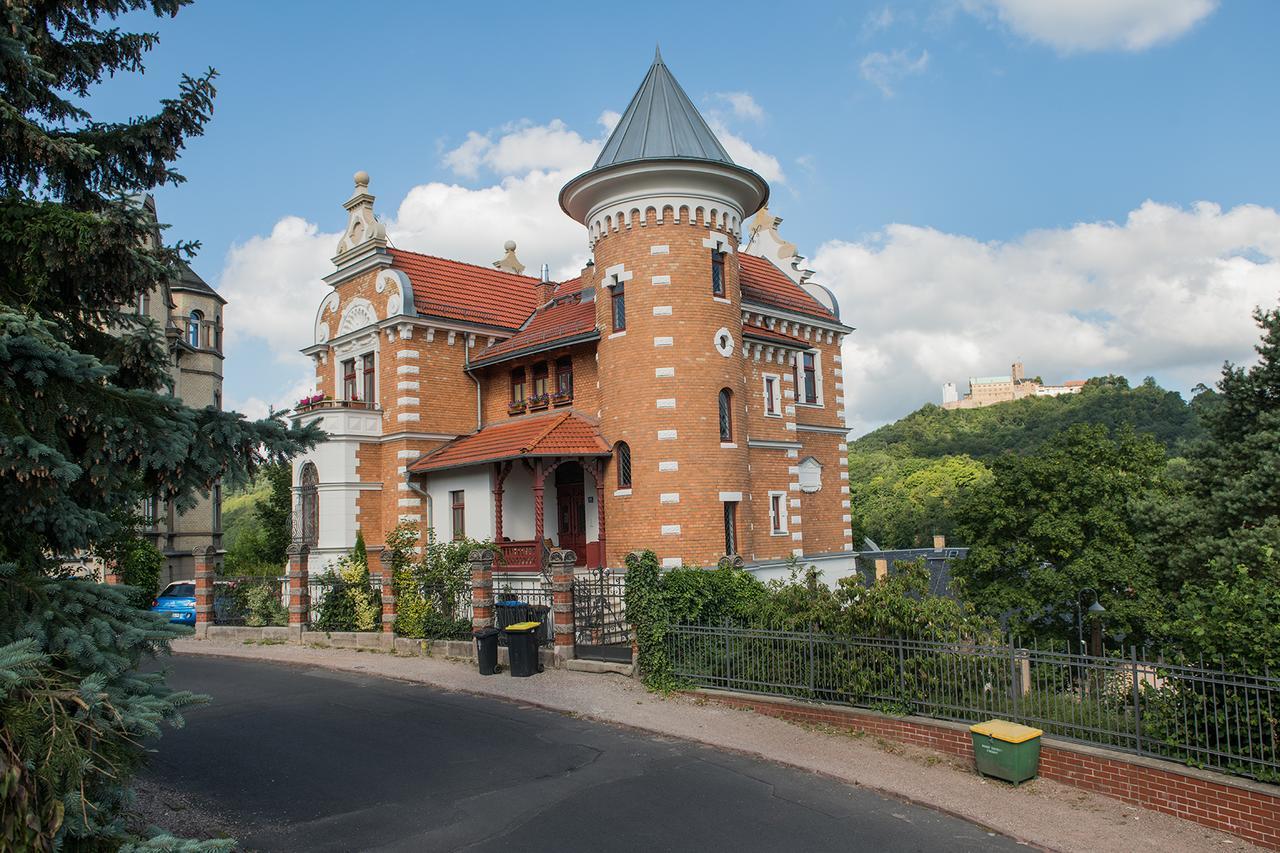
{"x":1168,"y":293}
{"x":744,"y":154}
{"x":884,"y":70}
{"x":1084,"y":25}
{"x":742,"y":104}
{"x":877,"y":21}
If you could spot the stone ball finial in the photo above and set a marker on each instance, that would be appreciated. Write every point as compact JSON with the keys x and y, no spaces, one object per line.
{"x":509,"y":246}
{"x":362,"y":178}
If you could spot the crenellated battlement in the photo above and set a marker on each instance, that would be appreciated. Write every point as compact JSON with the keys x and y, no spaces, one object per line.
{"x":672,"y":210}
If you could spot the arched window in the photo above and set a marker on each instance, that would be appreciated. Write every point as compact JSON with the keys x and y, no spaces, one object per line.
{"x":622,"y":451}
{"x":309,"y":503}
{"x":726,"y":415}
{"x":193,"y":328}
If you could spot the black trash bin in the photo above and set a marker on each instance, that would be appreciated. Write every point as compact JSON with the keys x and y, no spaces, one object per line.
{"x":487,"y":650}
{"x":522,"y":648}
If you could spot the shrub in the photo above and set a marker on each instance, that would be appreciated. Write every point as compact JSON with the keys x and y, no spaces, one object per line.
{"x":430,"y":590}
{"x":350,"y":602}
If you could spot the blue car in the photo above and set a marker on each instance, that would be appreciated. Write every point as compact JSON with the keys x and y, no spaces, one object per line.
{"x":178,"y":602}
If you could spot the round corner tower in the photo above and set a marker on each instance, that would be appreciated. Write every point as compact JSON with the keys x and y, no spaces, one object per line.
{"x":664,"y":206}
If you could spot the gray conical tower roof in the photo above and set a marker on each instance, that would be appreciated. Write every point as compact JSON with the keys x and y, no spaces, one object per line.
{"x":661,"y":123}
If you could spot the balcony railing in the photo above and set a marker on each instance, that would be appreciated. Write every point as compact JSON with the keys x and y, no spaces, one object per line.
{"x":303,"y":408}
{"x":521,"y":556}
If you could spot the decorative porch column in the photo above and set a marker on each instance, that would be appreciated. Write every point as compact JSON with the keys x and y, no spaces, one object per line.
{"x":539,"y":475}
{"x":205,"y":561}
{"x":383,"y":570}
{"x":481,"y":560}
{"x":299,"y":595}
{"x":501,"y":469}
{"x":561,"y":565}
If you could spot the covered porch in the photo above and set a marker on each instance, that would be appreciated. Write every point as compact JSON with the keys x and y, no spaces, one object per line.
{"x":545,"y":481}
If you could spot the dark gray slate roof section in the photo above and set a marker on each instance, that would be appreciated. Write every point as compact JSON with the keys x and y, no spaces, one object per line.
{"x":661,"y":123}
{"x":188,"y":279}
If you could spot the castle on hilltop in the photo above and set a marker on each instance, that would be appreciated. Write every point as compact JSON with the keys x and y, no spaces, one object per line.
{"x":989,"y":390}
{"x":684,"y":393}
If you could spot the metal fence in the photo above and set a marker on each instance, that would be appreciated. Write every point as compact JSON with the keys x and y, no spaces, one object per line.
{"x":255,"y":601}
{"x":1196,"y":715}
{"x":321,"y":587}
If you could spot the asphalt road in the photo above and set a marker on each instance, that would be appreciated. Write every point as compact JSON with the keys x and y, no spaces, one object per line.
{"x":296,"y":758}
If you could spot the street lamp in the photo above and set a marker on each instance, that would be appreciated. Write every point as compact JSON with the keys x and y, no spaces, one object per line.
{"x":1096,"y":609}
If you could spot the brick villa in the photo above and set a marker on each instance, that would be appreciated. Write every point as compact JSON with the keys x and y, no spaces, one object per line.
{"x":679,"y":394}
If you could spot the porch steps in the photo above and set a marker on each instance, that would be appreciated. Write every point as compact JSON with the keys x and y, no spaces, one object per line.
{"x":600,"y":667}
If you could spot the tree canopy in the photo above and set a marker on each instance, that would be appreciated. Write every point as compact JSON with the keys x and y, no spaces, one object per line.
{"x":88,"y":429}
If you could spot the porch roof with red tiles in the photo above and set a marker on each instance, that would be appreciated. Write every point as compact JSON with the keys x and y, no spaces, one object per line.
{"x":456,"y":291}
{"x":564,"y":321}
{"x":564,"y":433}
{"x":764,"y":283}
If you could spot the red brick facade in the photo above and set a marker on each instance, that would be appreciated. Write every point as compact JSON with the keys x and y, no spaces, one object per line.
{"x":1248,"y":810}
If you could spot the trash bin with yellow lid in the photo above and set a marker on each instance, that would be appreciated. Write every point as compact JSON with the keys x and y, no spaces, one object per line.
{"x":522,"y":648}
{"x":1006,"y":750}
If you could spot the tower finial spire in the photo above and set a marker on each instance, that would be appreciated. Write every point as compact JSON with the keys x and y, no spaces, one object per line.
{"x":657,"y":54}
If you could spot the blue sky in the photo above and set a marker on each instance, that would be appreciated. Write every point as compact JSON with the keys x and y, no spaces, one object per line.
{"x":1089,"y":186}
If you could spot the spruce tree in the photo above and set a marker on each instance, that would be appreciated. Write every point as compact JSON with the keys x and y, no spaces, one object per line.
{"x":87,"y":426}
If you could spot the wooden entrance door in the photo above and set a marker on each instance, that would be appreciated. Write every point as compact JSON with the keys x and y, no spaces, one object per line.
{"x":571,"y":509}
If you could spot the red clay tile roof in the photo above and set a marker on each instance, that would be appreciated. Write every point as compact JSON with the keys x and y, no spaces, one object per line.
{"x":764,"y":283}
{"x":751,"y":330}
{"x":458,"y":291}
{"x":562,"y":320}
{"x":554,"y":434}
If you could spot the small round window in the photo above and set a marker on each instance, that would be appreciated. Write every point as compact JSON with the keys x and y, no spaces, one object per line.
{"x":724,"y":342}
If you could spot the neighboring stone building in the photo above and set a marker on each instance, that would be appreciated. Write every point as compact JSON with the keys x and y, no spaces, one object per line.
{"x":989,"y":390}
{"x":678,"y":394}
{"x":191,"y":314}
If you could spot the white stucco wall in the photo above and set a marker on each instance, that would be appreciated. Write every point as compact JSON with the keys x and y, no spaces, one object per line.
{"x":479,"y":501}
{"x":517,"y":507}
{"x":340,"y":485}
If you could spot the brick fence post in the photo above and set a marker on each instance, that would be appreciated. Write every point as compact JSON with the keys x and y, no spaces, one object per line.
{"x":561,"y":564}
{"x":205,"y":560}
{"x":383,"y":570}
{"x":481,"y":560}
{"x":299,"y":594}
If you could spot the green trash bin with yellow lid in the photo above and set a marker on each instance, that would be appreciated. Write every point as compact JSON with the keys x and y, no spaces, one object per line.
{"x":1005,"y":750}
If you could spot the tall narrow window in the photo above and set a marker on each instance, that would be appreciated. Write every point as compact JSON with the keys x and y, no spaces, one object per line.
{"x":309,"y":503}
{"x":731,"y":528}
{"x":144,"y":303}
{"x":717,"y":273}
{"x":217,"y":334}
{"x":151,"y":510}
{"x":458,"y":508}
{"x":370,"y":384}
{"x":623,"y":452}
{"x":217,"y":508}
{"x":349,"y":379}
{"x":772,"y":396}
{"x":619,"y":305}
{"x":777,"y":512}
{"x":564,"y":378}
{"x":540,"y":380}
{"x":193,"y":328}
{"x":807,"y":378}
{"x":726,"y":414}
{"x":517,"y":385}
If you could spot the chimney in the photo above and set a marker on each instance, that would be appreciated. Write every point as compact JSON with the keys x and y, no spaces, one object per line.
{"x":546,"y":287}
{"x":939,"y":541}
{"x":882,"y":569}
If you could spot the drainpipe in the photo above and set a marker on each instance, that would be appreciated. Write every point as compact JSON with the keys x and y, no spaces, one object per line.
{"x":414,"y":487}
{"x":466,"y":366}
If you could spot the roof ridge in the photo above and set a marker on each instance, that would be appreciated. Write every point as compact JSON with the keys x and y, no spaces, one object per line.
{"x":555,"y":422}
{"x":488,"y":269}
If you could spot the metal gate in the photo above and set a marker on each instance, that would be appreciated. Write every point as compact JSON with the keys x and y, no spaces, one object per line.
{"x":599,"y":615}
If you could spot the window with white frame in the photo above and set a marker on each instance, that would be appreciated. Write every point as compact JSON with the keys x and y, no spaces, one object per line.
{"x":809,"y":378}
{"x":777,"y":513}
{"x":772,"y":395}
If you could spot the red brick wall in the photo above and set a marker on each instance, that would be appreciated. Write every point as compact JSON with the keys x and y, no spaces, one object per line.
{"x":1207,"y":799}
